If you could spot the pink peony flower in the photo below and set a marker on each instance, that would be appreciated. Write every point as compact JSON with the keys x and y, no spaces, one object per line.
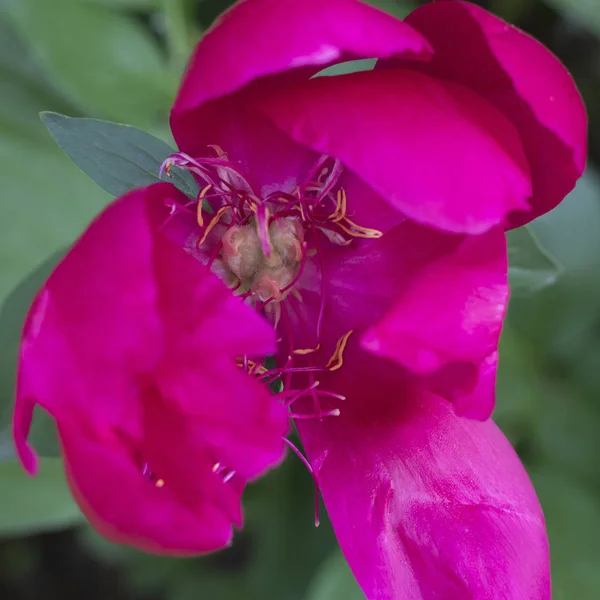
{"x":362,"y":214}
{"x":131,"y":346}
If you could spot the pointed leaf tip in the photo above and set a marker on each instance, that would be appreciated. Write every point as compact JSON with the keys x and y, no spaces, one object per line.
{"x":117,"y":157}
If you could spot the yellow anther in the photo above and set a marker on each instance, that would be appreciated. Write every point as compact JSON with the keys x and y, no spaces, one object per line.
{"x":257,"y":369}
{"x":160,"y":483}
{"x":337,"y":359}
{"x":340,"y":207}
{"x":357,"y":231}
{"x":253,"y":367}
{"x":303,"y":351}
{"x":200,"y":197}
{"x":216,"y":467}
{"x":220,"y":152}
{"x":300,"y":207}
{"x":212,"y":223}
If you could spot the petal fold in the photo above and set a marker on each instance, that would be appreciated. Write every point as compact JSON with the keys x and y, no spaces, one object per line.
{"x":446,"y":324}
{"x":239,"y":47}
{"x":131,"y":346}
{"x":433,"y":149}
{"x":425,"y":504}
{"x":235,"y":62}
{"x":523,"y":80}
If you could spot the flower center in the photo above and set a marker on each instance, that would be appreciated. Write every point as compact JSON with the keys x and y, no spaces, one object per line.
{"x":266,"y":276}
{"x":261,"y":246}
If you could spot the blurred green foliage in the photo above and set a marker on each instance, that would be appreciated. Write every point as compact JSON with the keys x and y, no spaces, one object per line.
{"x":121,"y":60}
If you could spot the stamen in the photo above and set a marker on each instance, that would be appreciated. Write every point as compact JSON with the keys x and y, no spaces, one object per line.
{"x":340,"y":208}
{"x":219,"y":468}
{"x":290,"y":396}
{"x":357,"y":231}
{"x":212,"y":223}
{"x":322,"y":285}
{"x":337,"y":359}
{"x":335,"y":412}
{"x":303,"y":351}
{"x":228,"y":477}
{"x":201,"y":195}
{"x":331,"y":394}
{"x":290,"y":370}
{"x":312,"y":474}
{"x":302,"y":209}
{"x":220,"y":152}
{"x":251,"y":367}
{"x":316,"y":168}
{"x":330,"y":182}
{"x":149,"y":474}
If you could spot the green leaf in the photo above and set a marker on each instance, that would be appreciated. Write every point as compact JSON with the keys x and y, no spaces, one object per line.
{"x":335,"y":581}
{"x":570,"y":231}
{"x":351,"y":66}
{"x":397,"y":8}
{"x":570,"y":234}
{"x":103,"y":60}
{"x":35,"y":504}
{"x":531,"y":268}
{"x":117,"y":157}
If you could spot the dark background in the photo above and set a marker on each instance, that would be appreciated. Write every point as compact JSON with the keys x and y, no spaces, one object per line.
{"x":121,"y":60}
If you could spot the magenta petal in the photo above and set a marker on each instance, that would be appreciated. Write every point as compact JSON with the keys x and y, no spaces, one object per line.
{"x":268,"y":158}
{"x":450,"y":318}
{"x":425,"y":504}
{"x":361,"y":282}
{"x":235,"y":61}
{"x":131,"y":346}
{"x":239,"y":47}
{"x":434,"y":150}
{"x":523,"y":80}
{"x":125,"y":508}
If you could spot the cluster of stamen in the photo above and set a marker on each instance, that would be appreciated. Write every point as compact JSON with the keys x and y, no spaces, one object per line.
{"x":260,"y":247}
{"x":264,"y":242}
